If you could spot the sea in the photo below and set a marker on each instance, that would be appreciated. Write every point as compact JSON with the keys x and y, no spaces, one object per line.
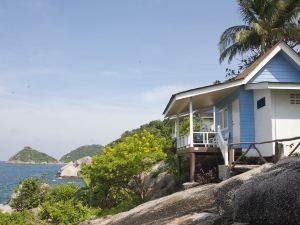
{"x":12,"y":174}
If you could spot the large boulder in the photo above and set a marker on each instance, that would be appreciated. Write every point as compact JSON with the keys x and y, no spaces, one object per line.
{"x":272,"y":197}
{"x":180,"y":208}
{"x":225,"y":191}
{"x":6,"y":208}
{"x":158,"y":182}
{"x":72,"y":169}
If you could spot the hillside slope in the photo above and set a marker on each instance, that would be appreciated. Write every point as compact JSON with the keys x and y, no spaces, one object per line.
{"x":29,"y":155}
{"x":86,"y":150}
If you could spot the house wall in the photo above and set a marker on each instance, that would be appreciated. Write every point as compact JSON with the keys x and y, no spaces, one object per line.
{"x":279,"y":69}
{"x":226,"y":102}
{"x":247,"y":130}
{"x":286,"y":117}
{"x":263,"y":122}
{"x":247,"y":116}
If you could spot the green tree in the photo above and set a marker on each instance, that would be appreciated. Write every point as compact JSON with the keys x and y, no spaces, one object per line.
{"x":65,"y":213}
{"x":112,"y":173}
{"x":266,"y":22}
{"x":30,"y":194}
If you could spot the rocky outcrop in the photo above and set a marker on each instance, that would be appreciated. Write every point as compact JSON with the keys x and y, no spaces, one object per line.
{"x":158,"y":182}
{"x":72,"y":169}
{"x":184,"y":207}
{"x":225,"y":191}
{"x":265,"y":195}
{"x":272,"y":198}
{"x":5,"y":208}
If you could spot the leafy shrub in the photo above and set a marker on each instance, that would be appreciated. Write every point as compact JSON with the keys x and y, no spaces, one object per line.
{"x":62,"y":192}
{"x":30,"y":194}
{"x":66,"y":213}
{"x":110,"y":173}
{"x":19,"y":218}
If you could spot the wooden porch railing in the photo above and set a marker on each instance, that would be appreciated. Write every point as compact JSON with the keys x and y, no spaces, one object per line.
{"x":252,"y":145}
{"x":206,"y":139}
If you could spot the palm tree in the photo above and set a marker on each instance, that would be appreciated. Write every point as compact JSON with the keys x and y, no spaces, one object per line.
{"x":266,"y":23}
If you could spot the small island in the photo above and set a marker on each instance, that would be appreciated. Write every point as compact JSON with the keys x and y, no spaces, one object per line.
{"x":83,"y":151}
{"x":29,"y":155}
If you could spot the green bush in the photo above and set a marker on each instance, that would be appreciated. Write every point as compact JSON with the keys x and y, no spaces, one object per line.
{"x":62,"y":192}
{"x":111,"y":172}
{"x":30,"y":194}
{"x":19,"y":218}
{"x":66,"y":213}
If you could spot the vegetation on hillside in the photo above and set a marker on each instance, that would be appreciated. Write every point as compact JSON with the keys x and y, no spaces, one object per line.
{"x":32,"y":156}
{"x":114,"y":177}
{"x":113,"y":181}
{"x":266,"y":22}
{"x":56,"y":205}
{"x":86,"y":150}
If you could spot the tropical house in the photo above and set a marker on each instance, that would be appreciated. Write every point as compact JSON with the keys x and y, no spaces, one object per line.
{"x":260,"y":104}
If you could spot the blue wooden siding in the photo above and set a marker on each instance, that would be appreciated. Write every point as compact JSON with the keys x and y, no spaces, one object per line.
{"x":227,"y":103}
{"x":247,"y":125}
{"x":278,"y":69}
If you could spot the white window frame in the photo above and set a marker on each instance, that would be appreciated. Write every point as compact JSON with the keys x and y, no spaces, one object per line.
{"x":223,"y":118}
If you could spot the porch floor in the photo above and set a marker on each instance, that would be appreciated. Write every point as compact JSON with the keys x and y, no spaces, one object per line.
{"x":208,"y":150}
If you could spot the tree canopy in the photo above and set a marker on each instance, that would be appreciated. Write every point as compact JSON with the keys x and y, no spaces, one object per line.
{"x":266,"y":22}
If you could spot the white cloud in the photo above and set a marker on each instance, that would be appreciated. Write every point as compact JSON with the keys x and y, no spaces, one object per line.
{"x":57,"y":126}
{"x":163,"y":93}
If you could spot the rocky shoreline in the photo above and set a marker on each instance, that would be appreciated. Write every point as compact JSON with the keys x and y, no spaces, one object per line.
{"x":34,"y":163}
{"x":267,"y":195}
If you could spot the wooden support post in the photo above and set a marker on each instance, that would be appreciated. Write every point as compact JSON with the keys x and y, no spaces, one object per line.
{"x":192,"y":167}
{"x":179,"y":167}
{"x":279,"y":151}
{"x":231,"y":156}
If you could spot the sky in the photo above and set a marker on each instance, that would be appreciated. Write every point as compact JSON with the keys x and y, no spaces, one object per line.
{"x":82,"y":72}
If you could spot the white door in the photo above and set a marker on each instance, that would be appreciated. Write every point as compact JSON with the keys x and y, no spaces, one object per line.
{"x":236,"y":121}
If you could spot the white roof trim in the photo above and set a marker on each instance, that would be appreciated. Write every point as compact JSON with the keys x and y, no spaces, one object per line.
{"x":282,"y":46}
{"x":204,"y":90}
{"x":208,"y":89}
{"x":279,"y":86}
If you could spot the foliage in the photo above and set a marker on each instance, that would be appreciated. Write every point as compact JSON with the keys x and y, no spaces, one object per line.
{"x":184,"y":124}
{"x":19,"y":218}
{"x":157,"y":128}
{"x":266,"y":22}
{"x":30,"y":194}
{"x":86,"y":150}
{"x":62,"y":192}
{"x":111,"y":172}
{"x":31,"y":155}
{"x":66,"y":212}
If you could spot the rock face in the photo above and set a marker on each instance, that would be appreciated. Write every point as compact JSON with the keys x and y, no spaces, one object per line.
{"x":179,"y":208}
{"x":6,"y":208}
{"x":271,"y":198}
{"x":225,"y":191}
{"x":72,"y":169}
{"x":158,"y":182}
{"x":269,"y":194}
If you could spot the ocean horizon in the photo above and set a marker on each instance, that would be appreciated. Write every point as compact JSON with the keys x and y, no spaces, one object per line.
{"x":11,"y":175}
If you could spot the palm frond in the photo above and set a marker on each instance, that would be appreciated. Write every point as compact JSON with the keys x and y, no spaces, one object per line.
{"x":228,"y":37}
{"x":248,"y":13}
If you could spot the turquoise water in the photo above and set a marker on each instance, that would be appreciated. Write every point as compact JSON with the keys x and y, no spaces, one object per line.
{"x":11,"y":174}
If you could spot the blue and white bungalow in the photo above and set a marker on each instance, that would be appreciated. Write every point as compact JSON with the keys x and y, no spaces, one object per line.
{"x":260,"y":104}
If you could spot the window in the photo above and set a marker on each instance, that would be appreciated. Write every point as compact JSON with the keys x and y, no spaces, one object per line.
{"x":295,"y":99}
{"x":224,"y":118}
{"x":261,"y":103}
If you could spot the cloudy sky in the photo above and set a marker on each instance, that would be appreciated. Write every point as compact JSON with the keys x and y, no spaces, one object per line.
{"x":76,"y":72}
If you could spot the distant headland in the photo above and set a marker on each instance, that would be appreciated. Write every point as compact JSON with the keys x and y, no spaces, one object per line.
{"x":29,"y":155}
